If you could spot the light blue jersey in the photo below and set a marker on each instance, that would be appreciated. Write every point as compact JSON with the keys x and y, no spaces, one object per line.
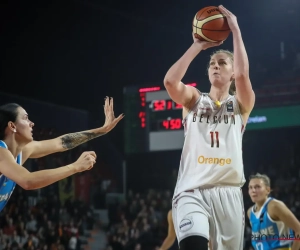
{"x":7,"y":186}
{"x":268,"y":234}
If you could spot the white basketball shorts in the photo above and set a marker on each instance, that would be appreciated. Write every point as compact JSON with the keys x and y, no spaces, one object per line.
{"x":216,"y":213}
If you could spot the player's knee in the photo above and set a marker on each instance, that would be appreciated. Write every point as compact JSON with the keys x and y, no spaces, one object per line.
{"x":194,"y":243}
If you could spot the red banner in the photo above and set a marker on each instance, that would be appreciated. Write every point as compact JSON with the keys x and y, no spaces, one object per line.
{"x":82,"y":186}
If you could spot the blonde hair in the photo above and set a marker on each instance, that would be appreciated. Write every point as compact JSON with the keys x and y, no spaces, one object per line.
{"x":232,"y":88}
{"x":262,"y":177}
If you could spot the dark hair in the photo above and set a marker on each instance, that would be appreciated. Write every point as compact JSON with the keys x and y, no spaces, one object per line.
{"x":8,"y":113}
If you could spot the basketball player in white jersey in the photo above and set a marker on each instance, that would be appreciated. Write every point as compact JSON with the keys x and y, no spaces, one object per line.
{"x":208,"y":202}
{"x":171,"y":237}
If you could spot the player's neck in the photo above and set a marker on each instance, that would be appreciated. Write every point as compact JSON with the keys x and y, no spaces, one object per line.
{"x":13,"y":146}
{"x":218,"y":94}
{"x":258,"y":205}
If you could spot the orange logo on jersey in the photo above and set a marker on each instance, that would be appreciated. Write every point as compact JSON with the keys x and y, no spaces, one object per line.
{"x":209,"y":160}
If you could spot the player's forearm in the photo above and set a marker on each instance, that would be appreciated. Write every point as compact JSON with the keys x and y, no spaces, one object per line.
{"x":296,"y":242}
{"x":178,"y":70}
{"x":168,"y":242}
{"x":43,"y":178}
{"x":296,"y":245}
{"x":72,"y":140}
{"x":241,"y":63}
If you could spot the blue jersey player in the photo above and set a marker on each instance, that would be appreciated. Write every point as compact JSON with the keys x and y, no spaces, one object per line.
{"x":17,"y":145}
{"x":273,"y":225}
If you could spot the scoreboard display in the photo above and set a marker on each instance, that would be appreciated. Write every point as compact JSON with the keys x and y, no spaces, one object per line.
{"x":153,"y":121}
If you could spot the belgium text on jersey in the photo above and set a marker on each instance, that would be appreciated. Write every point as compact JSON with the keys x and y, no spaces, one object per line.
{"x":270,"y":237}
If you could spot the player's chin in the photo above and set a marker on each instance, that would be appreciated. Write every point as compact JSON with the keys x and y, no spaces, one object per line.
{"x":255,"y":199}
{"x":29,"y":138}
{"x":216,"y":81}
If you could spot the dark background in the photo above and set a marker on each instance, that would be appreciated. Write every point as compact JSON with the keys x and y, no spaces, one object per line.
{"x":74,"y":53}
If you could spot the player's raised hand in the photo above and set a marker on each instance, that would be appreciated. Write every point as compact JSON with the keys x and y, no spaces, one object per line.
{"x":110,"y":120}
{"x":231,"y":18}
{"x":204,"y":44}
{"x":85,"y":162}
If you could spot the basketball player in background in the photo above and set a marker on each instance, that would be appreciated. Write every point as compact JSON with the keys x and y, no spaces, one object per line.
{"x":270,"y":219}
{"x":207,"y":201}
{"x":17,"y":145}
{"x":170,"y":239}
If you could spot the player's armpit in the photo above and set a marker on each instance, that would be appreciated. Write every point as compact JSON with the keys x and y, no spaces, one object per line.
{"x":12,"y":170}
{"x":245,"y":95}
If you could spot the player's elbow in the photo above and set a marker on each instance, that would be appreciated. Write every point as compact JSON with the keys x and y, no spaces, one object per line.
{"x":167,"y":83}
{"x":26,"y":185}
{"x":170,"y":82}
{"x":26,"y":182}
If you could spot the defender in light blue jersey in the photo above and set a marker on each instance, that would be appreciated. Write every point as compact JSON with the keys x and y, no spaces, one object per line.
{"x":273,"y":225}
{"x":17,"y":145}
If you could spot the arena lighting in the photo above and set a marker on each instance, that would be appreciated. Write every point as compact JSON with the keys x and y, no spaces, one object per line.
{"x":192,"y":84}
{"x":257,"y":119}
{"x":152,"y":89}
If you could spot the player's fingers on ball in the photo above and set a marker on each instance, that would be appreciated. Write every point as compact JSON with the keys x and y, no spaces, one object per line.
{"x":223,"y":10}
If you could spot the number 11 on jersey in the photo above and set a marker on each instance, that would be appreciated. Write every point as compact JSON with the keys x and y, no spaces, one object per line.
{"x":214,"y":136}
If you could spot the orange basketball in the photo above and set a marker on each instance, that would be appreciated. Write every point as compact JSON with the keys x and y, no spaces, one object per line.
{"x":210,"y":25}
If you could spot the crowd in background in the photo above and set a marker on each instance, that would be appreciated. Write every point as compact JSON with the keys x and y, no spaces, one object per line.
{"x":38,"y":219}
{"x":140,"y":222}
{"x":45,"y":225}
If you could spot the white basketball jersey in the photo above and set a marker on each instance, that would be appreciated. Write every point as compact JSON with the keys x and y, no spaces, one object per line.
{"x":212,"y":150}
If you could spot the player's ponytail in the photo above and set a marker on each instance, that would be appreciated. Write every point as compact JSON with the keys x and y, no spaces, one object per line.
{"x":8,"y":113}
{"x":232,"y":88}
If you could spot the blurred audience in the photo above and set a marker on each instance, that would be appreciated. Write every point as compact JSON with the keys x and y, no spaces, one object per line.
{"x":38,"y":220}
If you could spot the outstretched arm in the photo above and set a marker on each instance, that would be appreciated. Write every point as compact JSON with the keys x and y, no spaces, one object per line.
{"x":43,"y":178}
{"x":244,"y":91}
{"x":37,"y":149}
